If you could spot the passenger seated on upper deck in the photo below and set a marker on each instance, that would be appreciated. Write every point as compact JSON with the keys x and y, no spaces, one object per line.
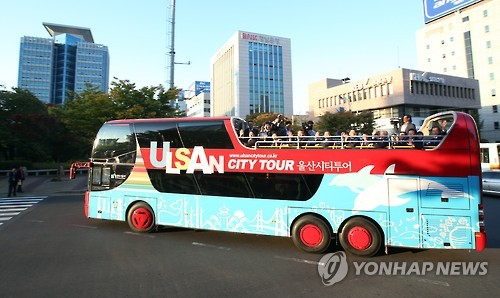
{"x":318,"y":139}
{"x":407,"y":140}
{"x":352,"y":140}
{"x":381,"y":140}
{"x":275,"y":141}
{"x":418,"y":140}
{"x":327,"y":140}
{"x":252,"y":138}
{"x":266,"y":129}
{"x":436,"y":135}
{"x":302,"y":138}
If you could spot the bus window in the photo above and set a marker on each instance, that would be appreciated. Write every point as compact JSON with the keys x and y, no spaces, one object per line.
{"x":217,"y":184}
{"x":283,"y":186}
{"x":113,"y":156}
{"x":158,"y":132}
{"x":211,"y":134}
{"x":173,"y":183}
{"x":114,"y":143}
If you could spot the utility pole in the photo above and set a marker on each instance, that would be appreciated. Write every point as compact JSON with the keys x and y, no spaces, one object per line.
{"x":171,"y":45}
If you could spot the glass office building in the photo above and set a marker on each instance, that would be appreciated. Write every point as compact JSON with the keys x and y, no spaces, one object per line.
{"x":55,"y":68}
{"x":252,"y":73}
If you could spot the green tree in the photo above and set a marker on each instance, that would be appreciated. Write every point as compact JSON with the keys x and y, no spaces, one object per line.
{"x":260,"y":118}
{"x":85,"y":114}
{"x":13,"y":104}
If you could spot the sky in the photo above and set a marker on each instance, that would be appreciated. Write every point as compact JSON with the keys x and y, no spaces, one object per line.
{"x":329,"y":38}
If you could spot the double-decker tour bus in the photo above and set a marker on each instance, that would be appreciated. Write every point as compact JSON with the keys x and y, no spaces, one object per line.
{"x":197,"y":173}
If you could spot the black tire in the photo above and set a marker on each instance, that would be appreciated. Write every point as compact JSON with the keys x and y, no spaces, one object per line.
{"x":311,"y":234}
{"x":361,"y":237}
{"x":141,"y":218}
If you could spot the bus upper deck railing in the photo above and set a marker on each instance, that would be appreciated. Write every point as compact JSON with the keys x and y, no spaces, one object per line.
{"x":337,"y":142}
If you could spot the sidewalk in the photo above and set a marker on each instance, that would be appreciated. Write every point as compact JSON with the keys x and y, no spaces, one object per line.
{"x":47,"y":185}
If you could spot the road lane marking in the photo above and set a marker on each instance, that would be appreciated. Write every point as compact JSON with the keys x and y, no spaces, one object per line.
{"x":35,"y":220}
{"x":84,"y":226}
{"x":5,"y":218}
{"x":140,"y":235}
{"x":211,"y":246}
{"x":300,"y":260}
{"x":434,"y":282}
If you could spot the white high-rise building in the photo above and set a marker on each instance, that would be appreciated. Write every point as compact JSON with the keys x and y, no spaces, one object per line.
{"x":464,"y":40}
{"x":252,"y":73}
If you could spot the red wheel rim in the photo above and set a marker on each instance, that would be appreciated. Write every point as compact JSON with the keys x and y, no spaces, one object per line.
{"x":142,"y":218}
{"x":311,"y":235}
{"x":359,"y":238}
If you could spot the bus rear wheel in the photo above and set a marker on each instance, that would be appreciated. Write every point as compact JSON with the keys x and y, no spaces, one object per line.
{"x":311,"y":234}
{"x":361,"y":237}
{"x":140,"y":218}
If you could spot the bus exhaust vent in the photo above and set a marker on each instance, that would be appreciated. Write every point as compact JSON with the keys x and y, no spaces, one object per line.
{"x":446,"y":191}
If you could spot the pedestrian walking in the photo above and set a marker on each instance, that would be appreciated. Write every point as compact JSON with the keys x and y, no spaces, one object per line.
{"x":13,"y":182}
{"x":21,"y":175}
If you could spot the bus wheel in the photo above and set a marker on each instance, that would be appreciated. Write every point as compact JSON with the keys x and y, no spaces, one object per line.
{"x":311,"y":234}
{"x":361,"y":237}
{"x":141,"y":218}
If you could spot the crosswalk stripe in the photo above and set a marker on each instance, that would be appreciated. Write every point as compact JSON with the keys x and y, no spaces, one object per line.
{"x":13,"y":209}
{"x":10,"y":207}
{"x":9,"y":213}
{"x":24,"y":205}
{"x":20,"y":200}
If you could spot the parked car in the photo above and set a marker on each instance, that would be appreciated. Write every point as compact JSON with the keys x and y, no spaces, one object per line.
{"x":491,"y":182}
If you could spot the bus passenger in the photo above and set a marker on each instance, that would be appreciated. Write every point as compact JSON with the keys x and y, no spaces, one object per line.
{"x":382,"y":140}
{"x":418,"y":141}
{"x":252,"y":138}
{"x":301,"y":138}
{"x":327,"y":139}
{"x":352,"y":140}
{"x":436,"y":136}
{"x":409,"y":139}
{"x":407,"y":124}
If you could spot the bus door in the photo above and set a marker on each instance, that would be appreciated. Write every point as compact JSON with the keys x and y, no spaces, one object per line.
{"x":404,"y":229}
{"x":100,"y":206}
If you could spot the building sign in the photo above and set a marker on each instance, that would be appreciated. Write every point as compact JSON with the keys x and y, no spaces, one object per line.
{"x":434,"y":9}
{"x":201,"y":86}
{"x":372,"y":83}
{"x":425,"y":77}
{"x":260,"y":38}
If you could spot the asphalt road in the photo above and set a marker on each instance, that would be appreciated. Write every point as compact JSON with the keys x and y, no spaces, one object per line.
{"x":50,"y":250}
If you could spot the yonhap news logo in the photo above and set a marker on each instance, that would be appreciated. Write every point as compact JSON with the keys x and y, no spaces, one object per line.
{"x":333,"y":268}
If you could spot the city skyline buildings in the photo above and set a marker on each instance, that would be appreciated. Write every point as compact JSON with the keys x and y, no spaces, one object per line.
{"x":322,"y":46}
{"x":55,"y":68}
